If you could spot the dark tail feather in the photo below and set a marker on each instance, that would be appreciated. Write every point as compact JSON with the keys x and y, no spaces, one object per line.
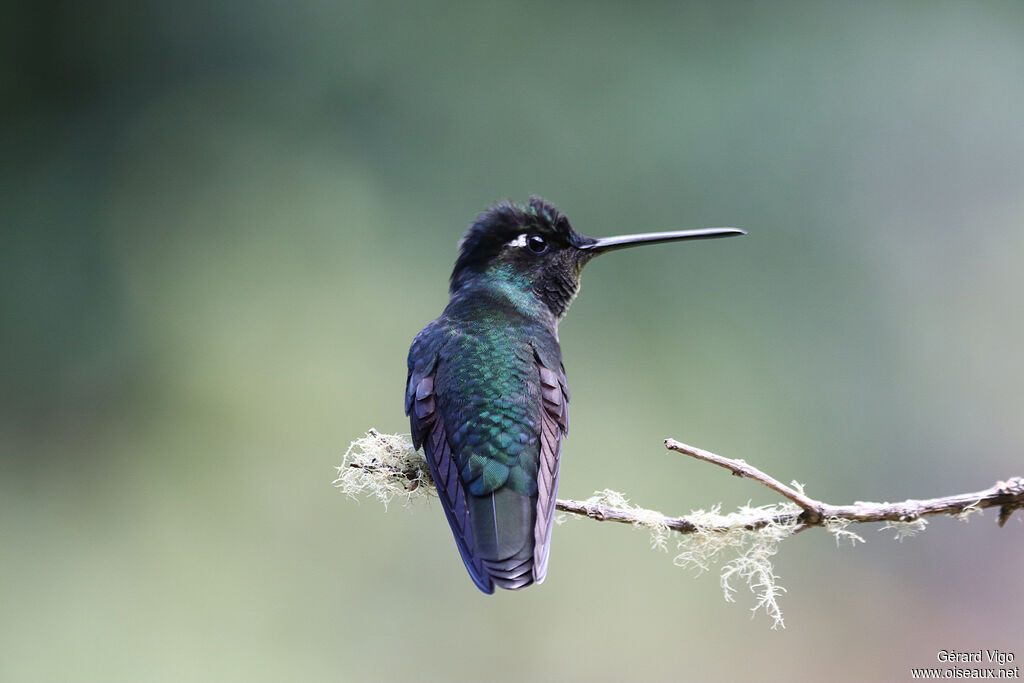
{"x":513,"y":573}
{"x":502,"y":524}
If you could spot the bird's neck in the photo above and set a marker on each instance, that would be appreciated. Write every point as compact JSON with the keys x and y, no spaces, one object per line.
{"x":500,"y":293}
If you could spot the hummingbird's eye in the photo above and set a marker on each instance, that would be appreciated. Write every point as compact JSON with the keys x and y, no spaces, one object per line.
{"x":536,"y":244}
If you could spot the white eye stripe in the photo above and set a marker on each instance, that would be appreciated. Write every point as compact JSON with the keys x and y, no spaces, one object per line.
{"x":519,"y":241}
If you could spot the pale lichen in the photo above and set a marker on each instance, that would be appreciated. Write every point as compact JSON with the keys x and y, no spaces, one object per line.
{"x":837,"y":527}
{"x":744,"y":545}
{"x":906,"y":529}
{"x":651,"y":520}
{"x":965,"y":514}
{"x":384,"y":466}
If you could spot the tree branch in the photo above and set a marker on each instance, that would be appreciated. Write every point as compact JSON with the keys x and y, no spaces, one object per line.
{"x":401,"y":470}
{"x":1006,"y":495}
{"x":741,"y":543}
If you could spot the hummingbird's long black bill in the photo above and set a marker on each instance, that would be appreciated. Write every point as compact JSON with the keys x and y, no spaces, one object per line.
{"x":622,"y":241}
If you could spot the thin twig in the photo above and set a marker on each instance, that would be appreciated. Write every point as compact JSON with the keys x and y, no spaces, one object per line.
{"x":739,"y":468}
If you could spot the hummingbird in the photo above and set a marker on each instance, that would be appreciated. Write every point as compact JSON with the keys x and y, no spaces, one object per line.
{"x":486,"y":393}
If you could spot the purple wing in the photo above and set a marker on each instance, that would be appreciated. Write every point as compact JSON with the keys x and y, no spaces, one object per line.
{"x":554,"y":425}
{"x":428,"y":431}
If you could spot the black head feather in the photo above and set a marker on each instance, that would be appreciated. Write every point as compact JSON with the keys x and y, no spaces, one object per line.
{"x":504,"y":222}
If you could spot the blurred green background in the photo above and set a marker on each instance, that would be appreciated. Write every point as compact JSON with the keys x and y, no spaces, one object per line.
{"x":223,"y":224}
